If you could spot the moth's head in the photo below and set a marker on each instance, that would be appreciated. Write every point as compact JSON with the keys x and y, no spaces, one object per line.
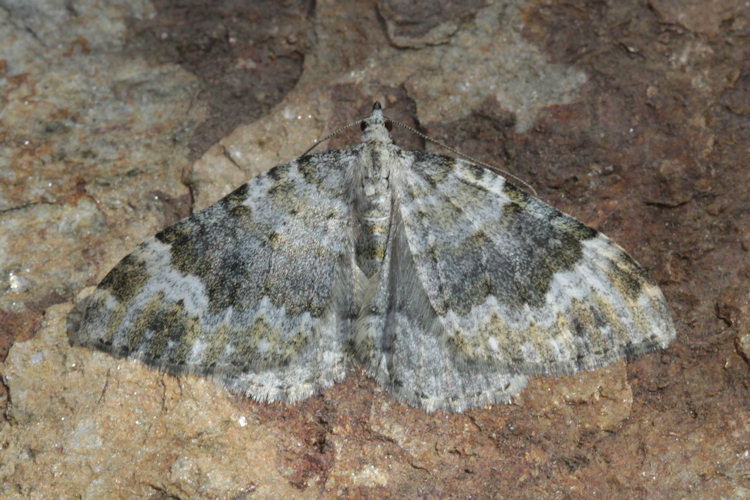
{"x":376,"y":127}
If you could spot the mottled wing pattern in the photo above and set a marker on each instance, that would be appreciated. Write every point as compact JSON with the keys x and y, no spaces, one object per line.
{"x":518,"y":286}
{"x":449,"y":284}
{"x":254,"y":290}
{"x":400,"y":339}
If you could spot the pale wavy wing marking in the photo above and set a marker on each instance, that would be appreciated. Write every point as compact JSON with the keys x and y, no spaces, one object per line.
{"x":254,"y":290}
{"x":404,"y":350}
{"x":517,"y":284}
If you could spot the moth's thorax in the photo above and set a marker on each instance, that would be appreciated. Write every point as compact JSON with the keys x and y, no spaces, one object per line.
{"x":376,"y":156}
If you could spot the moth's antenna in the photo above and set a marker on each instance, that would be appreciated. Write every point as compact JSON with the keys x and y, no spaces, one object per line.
{"x":464,"y":155}
{"x":332,"y":134}
{"x":430,"y":139}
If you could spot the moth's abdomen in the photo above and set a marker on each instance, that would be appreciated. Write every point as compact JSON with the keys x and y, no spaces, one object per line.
{"x":372,"y":242}
{"x":373,"y":209}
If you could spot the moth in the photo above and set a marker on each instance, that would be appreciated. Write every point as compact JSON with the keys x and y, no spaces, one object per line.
{"x":445,"y":281}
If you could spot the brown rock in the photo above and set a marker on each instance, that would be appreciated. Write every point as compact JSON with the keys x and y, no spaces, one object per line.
{"x":631,"y":116}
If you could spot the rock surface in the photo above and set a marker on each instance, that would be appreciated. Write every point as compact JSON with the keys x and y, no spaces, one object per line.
{"x":119,"y":118}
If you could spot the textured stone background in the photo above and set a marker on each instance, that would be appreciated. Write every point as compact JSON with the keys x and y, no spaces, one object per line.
{"x":118,"y":118}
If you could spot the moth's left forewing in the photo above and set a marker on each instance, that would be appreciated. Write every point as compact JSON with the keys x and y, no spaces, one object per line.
{"x":254,"y":290}
{"x":518,"y":284}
